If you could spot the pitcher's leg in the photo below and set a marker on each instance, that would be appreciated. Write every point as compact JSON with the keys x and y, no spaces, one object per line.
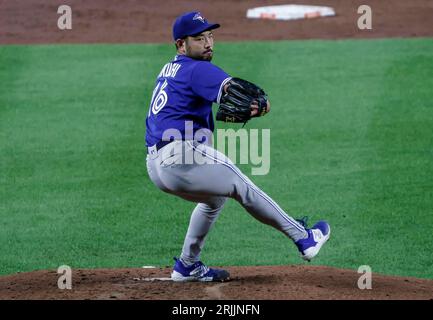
{"x":264,"y":208}
{"x":221,"y":178}
{"x":202,"y":219}
{"x":225,"y":179}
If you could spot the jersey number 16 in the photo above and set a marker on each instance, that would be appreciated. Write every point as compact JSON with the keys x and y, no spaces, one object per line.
{"x":159,"y":98}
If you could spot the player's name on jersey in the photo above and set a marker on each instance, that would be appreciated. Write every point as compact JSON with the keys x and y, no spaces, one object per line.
{"x":169,"y":70}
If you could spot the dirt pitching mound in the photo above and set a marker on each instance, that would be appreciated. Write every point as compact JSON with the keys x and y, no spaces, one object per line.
{"x":247,"y":283}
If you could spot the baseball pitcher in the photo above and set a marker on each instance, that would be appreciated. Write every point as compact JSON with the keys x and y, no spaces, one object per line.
{"x":182,"y":162}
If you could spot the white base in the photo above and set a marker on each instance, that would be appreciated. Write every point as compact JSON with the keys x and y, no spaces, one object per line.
{"x":289,"y":12}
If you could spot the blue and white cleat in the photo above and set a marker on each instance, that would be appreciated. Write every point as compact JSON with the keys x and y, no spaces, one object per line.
{"x":317,"y":237}
{"x":197,"y":272}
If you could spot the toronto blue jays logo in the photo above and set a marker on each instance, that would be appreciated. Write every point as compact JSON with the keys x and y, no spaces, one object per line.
{"x":198,"y":17}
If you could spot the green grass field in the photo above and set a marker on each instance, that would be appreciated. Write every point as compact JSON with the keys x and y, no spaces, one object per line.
{"x":351,"y":142}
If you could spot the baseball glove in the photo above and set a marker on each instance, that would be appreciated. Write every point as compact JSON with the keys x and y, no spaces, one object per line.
{"x":235,"y":104}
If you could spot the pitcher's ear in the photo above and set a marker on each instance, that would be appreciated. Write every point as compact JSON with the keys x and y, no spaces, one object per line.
{"x":179,"y":43}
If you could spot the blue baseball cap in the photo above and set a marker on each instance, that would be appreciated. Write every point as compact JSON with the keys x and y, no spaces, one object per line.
{"x":191,"y":23}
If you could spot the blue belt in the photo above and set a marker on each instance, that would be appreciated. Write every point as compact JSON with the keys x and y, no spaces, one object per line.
{"x":161,"y":144}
